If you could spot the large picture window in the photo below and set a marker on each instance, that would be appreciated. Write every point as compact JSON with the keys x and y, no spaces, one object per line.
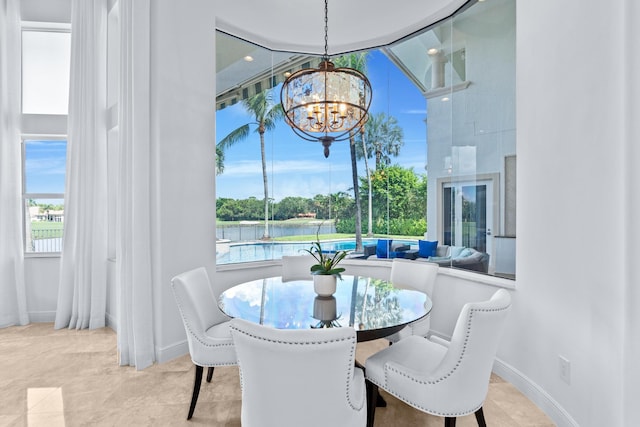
{"x":45,"y":101}
{"x":430,"y":164}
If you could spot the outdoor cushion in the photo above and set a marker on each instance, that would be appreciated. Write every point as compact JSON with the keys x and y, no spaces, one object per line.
{"x":382,"y":248}
{"x":465,"y":253}
{"x":397,"y":247}
{"x":427,"y":248}
{"x":455,"y":251}
{"x":369,"y":250}
{"x":442,"y":251}
{"x":410,"y":254}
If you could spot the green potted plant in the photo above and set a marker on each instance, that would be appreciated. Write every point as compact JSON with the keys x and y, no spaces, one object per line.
{"x":326,"y":271}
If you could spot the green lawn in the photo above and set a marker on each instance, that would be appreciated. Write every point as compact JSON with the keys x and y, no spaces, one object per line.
{"x":46,"y":225}
{"x":46,"y":229}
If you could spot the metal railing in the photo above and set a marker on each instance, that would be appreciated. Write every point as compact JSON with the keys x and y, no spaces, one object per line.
{"x":250,"y":232}
{"x":45,"y":240}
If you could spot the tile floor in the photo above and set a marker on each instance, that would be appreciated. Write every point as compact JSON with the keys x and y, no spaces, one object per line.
{"x":71,"y":378}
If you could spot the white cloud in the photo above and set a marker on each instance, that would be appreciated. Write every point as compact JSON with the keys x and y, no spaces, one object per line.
{"x":306,"y":178}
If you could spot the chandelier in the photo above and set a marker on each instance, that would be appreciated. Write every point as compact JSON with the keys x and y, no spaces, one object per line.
{"x":326,"y":104}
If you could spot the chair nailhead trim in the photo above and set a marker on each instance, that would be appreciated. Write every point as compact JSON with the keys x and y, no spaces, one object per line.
{"x":197,"y":338}
{"x":350,"y":364}
{"x":444,"y":377}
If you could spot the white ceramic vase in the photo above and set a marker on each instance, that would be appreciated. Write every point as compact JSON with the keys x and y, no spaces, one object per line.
{"x":324,"y":308}
{"x":324,"y":284}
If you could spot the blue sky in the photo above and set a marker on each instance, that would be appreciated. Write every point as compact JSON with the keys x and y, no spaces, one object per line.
{"x":297,"y":167}
{"x":45,"y":166}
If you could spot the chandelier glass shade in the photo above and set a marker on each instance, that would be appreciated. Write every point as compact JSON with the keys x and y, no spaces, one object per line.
{"x":326,"y":104}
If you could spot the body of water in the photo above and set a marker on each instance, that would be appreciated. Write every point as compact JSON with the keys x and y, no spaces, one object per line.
{"x":229,"y":253}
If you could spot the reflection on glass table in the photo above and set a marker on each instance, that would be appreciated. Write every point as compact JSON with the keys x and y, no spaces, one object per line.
{"x":326,"y":312}
{"x":374,"y":307}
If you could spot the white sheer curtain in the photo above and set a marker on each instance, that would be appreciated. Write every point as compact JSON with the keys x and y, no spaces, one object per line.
{"x":13,"y":301}
{"x":83,"y":271}
{"x":134,"y":246}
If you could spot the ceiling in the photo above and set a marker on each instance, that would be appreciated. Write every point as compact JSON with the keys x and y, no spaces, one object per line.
{"x":290,"y":34}
{"x":353,"y":24}
{"x":284,"y":33}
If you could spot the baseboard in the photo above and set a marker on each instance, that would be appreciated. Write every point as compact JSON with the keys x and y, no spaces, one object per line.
{"x":50,"y":316}
{"x":530,"y":389}
{"x":42,"y":316}
{"x":171,"y":352}
{"x":534,"y":393}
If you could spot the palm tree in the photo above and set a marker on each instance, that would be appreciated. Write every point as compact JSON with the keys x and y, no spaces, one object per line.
{"x":266,"y":114}
{"x":357,"y":61}
{"x":364,"y":153}
{"x":381,"y":138}
{"x":219,"y":160}
{"x":384,"y":138}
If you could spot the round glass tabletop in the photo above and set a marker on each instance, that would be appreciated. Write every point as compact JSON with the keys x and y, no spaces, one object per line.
{"x":374,"y":307}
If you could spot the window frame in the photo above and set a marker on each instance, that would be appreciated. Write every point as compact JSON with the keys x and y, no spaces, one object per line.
{"x":26,"y":196}
{"x":51,"y":127}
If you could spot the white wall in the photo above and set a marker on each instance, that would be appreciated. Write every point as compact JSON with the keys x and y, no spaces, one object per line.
{"x":573,"y":187}
{"x":183,"y":137}
{"x":46,"y":11}
{"x":631,"y":317}
{"x":41,"y":278}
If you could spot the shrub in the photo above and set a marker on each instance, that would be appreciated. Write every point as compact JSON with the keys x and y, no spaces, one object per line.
{"x":400,"y":227}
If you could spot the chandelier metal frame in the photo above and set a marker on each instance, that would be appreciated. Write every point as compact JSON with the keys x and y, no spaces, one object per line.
{"x":327,"y":103}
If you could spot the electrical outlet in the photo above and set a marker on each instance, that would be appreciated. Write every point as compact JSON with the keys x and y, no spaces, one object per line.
{"x":565,"y":369}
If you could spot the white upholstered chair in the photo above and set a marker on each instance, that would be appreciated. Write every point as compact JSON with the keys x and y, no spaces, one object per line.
{"x":297,"y":267}
{"x":293,"y":378}
{"x":418,"y":275}
{"x":207,"y":328}
{"x":448,"y":379}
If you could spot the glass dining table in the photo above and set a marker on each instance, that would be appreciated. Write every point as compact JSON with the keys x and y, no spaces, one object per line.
{"x":374,"y":307}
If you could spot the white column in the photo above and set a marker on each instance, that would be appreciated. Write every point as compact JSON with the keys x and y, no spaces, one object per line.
{"x":437,"y":67}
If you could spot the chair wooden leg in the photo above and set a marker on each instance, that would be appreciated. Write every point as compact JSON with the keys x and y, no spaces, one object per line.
{"x":450,"y":422}
{"x":196,"y":391}
{"x":480,"y":418}
{"x":210,"y":374}
{"x":372,"y":399}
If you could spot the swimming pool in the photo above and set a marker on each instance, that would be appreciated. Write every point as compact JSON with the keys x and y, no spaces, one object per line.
{"x":229,"y":253}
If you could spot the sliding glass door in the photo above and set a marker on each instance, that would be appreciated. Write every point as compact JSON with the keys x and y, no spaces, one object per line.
{"x":468,"y":214}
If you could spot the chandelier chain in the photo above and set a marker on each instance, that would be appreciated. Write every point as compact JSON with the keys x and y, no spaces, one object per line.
{"x":326,"y":29}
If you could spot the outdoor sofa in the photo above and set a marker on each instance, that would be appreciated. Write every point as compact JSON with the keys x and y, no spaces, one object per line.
{"x":443,"y":255}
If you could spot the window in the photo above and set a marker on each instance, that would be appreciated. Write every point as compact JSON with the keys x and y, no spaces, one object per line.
{"x":440,"y":150}
{"x":45,"y":72}
{"x":45,"y":100}
{"x":44,"y":169}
